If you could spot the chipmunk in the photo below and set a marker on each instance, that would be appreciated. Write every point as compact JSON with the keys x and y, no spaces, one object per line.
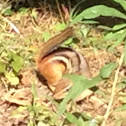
{"x":53,"y":62}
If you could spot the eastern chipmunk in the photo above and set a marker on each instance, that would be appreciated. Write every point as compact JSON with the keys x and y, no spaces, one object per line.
{"x":53,"y":62}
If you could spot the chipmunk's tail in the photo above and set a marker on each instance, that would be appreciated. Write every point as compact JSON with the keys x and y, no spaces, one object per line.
{"x":54,"y":42}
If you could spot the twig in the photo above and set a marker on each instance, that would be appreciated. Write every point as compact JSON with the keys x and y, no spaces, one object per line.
{"x":4,"y":83}
{"x":58,"y":7}
{"x":113,"y":91}
{"x":12,"y":25}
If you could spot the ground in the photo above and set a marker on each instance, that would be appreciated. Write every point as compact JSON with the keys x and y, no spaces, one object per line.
{"x":25,"y":100}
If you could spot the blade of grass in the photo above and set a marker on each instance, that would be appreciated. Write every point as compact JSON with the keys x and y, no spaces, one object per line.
{"x":80,"y":84}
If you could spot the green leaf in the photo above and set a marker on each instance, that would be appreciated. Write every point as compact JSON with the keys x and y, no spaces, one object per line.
{"x":59,"y":26}
{"x":17,"y":62}
{"x":108,"y":69}
{"x":122,"y":3}
{"x":117,"y":27}
{"x":34,"y":90}
{"x":89,"y":22}
{"x":23,"y":10}
{"x":105,"y":27}
{"x":7,"y":11}
{"x":110,"y":36}
{"x":116,"y":35}
{"x":86,"y":116}
{"x":80,"y":84}
{"x":120,"y":36}
{"x":71,"y":118}
{"x":12,"y":78}
{"x":85,"y":31}
{"x":34,"y":13}
{"x":2,"y":67}
{"x":16,"y":66}
{"x":87,"y":123}
{"x":121,"y":108}
{"x":68,"y":41}
{"x":46,"y":36}
{"x":96,"y":11}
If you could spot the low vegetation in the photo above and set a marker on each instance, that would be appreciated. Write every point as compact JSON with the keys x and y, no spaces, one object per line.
{"x":25,"y":101}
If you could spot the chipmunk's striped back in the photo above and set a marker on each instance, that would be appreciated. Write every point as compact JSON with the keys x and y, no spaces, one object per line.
{"x":73,"y":60}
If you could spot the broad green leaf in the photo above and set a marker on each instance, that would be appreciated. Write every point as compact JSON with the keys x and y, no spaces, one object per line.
{"x":120,"y":36}
{"x":80,"y":84}
{"x":86,"y":116}
{"x":12,"y":78}
{"x":71,"y":118}
{"x":59,"y":26}
{"x":2,"y":67}
{"x":23,"y":10}
{"x":111,"y":36}
{"x":81,"y":120}
{"x":85,"y":31}
{"x":68,"y":41}
{"x":7,"y":11}
{"x":17,"y":62}
{"x":115,"y":35}
{"x":34,"y":13}
{"x":120,"y":39}
{"x":46,"y":36}
{"x":96,"y":11}
{"x":17,"y":67}
{"x":87,"y":123}
{"x":119,"y":26}
{"x":122,"y":3}
{"x":108,"y":69}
